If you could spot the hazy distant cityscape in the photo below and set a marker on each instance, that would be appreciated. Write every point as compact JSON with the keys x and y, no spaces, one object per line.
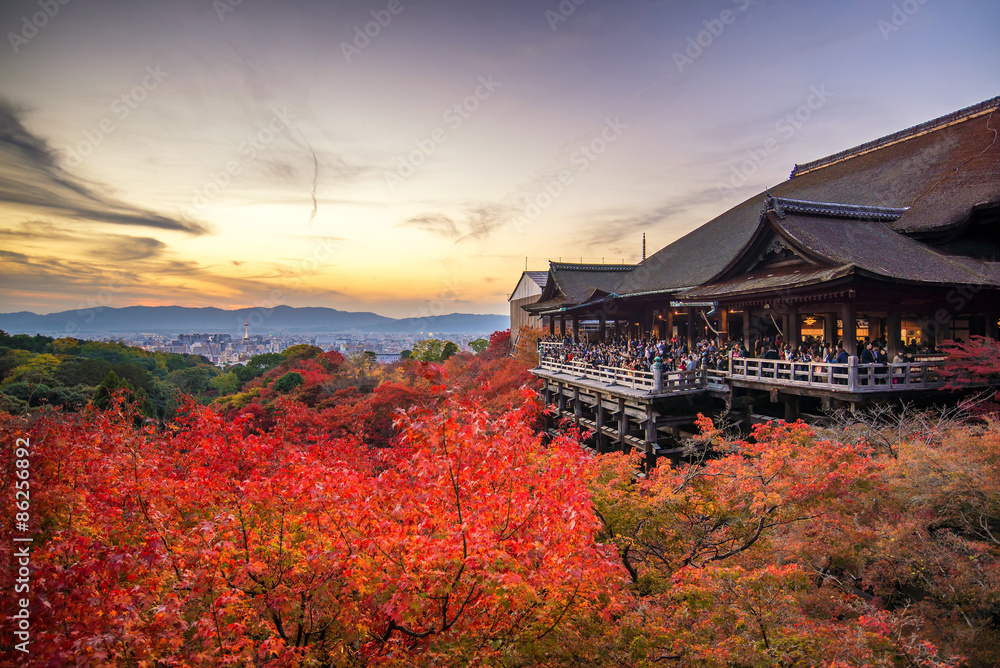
{"x":225,"y":349}
{"x":228,"y":337}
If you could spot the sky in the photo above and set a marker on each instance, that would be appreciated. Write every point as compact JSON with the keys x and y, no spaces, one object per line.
{"x":412,"y":157}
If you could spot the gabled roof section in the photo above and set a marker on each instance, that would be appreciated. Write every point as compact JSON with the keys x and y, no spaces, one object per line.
{"x":569,"y":284}
{"x":577,"y":281}
{"x":834,"y":241}
{"x":529,"y":282}
{"x":539,"y":277}
{"x":878,"y":250}
{"x":764,"y":282}
{"x":928,"y":177}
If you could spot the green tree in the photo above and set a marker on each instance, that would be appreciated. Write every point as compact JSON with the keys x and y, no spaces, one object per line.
{"x":288,"y":382}
{"x":195,"y":380}
{"x":449,"y":349}
{"x":227,"y":383}
{"x":302,"y":351}
{"x":258,"y":365}
{"x":39,"y":369}
{"x":479,"y":345}
{"x":104,"y":396}
{"x":428,"y":350}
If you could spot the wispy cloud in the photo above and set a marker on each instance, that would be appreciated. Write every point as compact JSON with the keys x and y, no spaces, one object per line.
{"x":435,"y":223}
{"x":40,"y":234}
{"x":32,"y":178}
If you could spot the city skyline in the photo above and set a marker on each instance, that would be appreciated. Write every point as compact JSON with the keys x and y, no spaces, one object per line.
{"x":404,"y":157}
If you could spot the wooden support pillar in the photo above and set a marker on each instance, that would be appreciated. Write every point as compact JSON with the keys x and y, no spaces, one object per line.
{"x":723,"y":325}
{"x":849,"y":318}
{"x":927,"y":326}
{"x":894,"y":329}
{"x":793,"y":328}
{"x":690,"y":328}
{"x":650,"y":437}
{"x":991,"y":323}
{"x":576,"y":329}
{"x":602,"y":327}
{"x":670,"y":323}
{"x":622,"y":426}
{"x":942,"y":332}
{"x":747,"y":343}
{"x":562,"y":326}
{"x":577,"y":408}
{"x":792,"y":412}
{"x":830,"y":328}
{"x":552,"y":326}
{"x":562,"y":400}
{"x":599,"y":420}
{"x":547,"y":397}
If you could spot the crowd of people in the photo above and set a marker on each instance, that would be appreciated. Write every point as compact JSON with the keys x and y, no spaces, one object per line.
{"x":676,"y":355}
{"x":640,"y":354}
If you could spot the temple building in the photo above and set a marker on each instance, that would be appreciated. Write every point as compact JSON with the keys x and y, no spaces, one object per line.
{"x":528,"y":290}
{"x":897,"y":240}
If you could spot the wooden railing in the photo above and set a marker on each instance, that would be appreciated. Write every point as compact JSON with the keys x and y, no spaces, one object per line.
{"x":650,"y":381}
{"x":851,"y":377}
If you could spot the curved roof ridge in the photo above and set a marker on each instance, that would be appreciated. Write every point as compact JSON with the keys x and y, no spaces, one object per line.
{"x":985,"y":107}
{"x":575,"y":266}
{"x":783,"y":206}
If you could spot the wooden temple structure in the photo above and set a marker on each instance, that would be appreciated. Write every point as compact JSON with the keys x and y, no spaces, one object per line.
{"x":897,"y":239}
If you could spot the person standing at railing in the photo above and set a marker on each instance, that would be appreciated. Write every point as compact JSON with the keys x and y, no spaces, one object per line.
{"x":868,"y":355}
{"x":898,"y":370}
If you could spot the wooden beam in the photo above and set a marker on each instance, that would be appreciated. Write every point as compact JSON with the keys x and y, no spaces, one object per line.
{"x":622,"y":426}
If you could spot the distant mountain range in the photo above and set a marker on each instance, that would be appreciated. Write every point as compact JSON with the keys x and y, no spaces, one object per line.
{"x":173,"y":320}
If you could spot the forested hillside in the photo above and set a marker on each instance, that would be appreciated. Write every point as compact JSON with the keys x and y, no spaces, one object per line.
{"x":320,"y":511}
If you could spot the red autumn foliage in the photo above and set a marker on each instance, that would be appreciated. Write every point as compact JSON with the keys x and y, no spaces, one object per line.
{"x":203,"y":545}
{"x":973,"y":364}
{"x":426,"y":522}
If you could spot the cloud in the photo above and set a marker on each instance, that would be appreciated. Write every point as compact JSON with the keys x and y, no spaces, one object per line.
{"x":625,"y":225}
{"x":478,"y":220}
{"x":435,"y":223}
{"x":612,"y":226}
{"x":32,"y":178}
{"x":102,"y":247}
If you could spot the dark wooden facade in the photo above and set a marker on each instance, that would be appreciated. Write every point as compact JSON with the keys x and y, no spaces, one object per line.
{"x":895,"y":240}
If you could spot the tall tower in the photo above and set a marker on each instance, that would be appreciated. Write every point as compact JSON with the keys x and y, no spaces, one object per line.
{"x":246,"y":329}
{"x":643,"y":246}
